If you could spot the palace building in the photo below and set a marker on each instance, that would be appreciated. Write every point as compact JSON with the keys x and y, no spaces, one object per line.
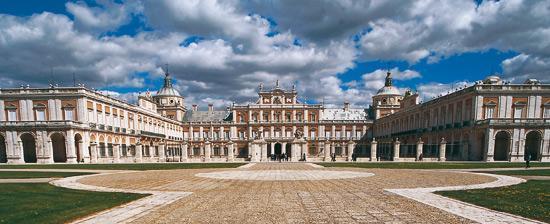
{"x":489,"y":121}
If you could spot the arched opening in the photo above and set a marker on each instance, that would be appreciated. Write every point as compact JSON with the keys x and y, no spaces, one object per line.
{"x":532,"y":145}
{"x":29,"y":148}
{"x":278,"y":148}
{"x":288,"y":150}
{"x":479,"y":152}
{"x":77,"y":146}
{"x":59,"y":149}
{"x":502,"y":146}
{"x":338,"y":150}
{"x":3,"y":153}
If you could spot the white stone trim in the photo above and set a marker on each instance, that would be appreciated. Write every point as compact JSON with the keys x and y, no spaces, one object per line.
{"x":123,"y":213}
{"x":463,"y":209}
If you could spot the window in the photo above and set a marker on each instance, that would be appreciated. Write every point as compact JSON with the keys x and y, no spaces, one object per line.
{"x":518,"y":111}
{"x":546,"y":112}
{"x":69,"y":114}
{"x":40,"y":115}
{"x":489,"y":111}
{"x":12,"y":115}
{"x":91,"y":115}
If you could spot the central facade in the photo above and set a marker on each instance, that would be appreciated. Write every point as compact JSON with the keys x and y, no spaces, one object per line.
{"x":276,"y":125}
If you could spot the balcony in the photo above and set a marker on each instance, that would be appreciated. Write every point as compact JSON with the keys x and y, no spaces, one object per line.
{"x":44,"y":124}
{"x":152,"y":134}
{"x":523,"y":122}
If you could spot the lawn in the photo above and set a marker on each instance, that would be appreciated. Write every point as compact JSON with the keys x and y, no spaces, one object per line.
{"x":530,"y":199}
{"x":44,"y":203}
{"x":434,"y":165}
{"x":125,"y":166}
{"x":525,"y":172}
{"x":25,"y":174}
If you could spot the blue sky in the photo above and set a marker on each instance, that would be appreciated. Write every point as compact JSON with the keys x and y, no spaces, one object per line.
{"x":220,"y":51}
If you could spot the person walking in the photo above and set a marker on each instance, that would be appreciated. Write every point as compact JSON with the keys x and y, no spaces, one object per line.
{"x":527,"y":161}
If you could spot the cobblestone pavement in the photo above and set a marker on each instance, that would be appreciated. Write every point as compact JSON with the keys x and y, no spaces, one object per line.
{"x":354,"y":200}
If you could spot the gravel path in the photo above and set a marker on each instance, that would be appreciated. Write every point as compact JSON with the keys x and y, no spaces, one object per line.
{"x":354,"y":200}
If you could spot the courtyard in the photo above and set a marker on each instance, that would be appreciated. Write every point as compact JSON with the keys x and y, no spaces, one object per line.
{"x":277,"y":193}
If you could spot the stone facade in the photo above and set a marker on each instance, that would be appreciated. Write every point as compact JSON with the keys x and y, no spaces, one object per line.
{"x":489,"y":121}
{"x":277,"y":124}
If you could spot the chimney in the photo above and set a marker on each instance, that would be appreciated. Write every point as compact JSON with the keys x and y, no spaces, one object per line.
{"x":195,"y":107}
{"x":346,"y":106}
{"x":210,"y":107}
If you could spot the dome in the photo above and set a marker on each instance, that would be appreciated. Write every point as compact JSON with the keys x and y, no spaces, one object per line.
{"x":168,"y":92}
{"x":167,"y":89}
{"x":388,"y":90}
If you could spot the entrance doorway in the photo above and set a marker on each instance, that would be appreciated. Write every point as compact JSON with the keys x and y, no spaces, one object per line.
{"x":278,"y":149}
{"x":59,"y":150}
{"x":29,"y":148}
{"x":532,"y":145}
{"x":502,"y":146}
{"x":3,"y":153}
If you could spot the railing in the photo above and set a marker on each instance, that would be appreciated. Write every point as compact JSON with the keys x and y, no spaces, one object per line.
{"x":38,"y":123}
{"x":515,"y":121}
{"x":148,"y":133}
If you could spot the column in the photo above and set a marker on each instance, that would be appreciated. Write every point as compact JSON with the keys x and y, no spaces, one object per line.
{"x":264,"y":152}
{"x":139,"y":153}
{"x":93,"y":152}
{"x":116,"y":152}
{"x":442,"y":147}
{"x":419,"y":148}
{"x":350,"y":150}
{"x":396,"y":148}
{"x":327,"y":151}
{"x":230,"y":151}
{"x":373,"y":147}
{"x":162,"y":153}
{"x":207,"y":151}
{"x":70,"y":147}
{"x":184,"y":152}
{"x":333,"y":148}
{"x":490,"y":142}
{"x":465,"y":149}
{"x":304,"y":150}
{"x":272,"y":146}
{"x":84,"y":153}
{"x":293,"y":149}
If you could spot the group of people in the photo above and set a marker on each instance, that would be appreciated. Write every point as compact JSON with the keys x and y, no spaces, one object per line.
{"x":279,"y":157}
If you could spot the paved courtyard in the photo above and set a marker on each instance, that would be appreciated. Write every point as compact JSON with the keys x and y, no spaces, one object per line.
{"x":317,"y":195}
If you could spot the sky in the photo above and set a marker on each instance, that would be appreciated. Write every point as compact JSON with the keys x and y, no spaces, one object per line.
{"x":220,"y":51}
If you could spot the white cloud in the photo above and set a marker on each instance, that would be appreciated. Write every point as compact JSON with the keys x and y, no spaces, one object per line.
{"x":523,"y":66}
{"x":236,"y":54}
{"x":430,"y":90}
{"x":108,"y":16}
